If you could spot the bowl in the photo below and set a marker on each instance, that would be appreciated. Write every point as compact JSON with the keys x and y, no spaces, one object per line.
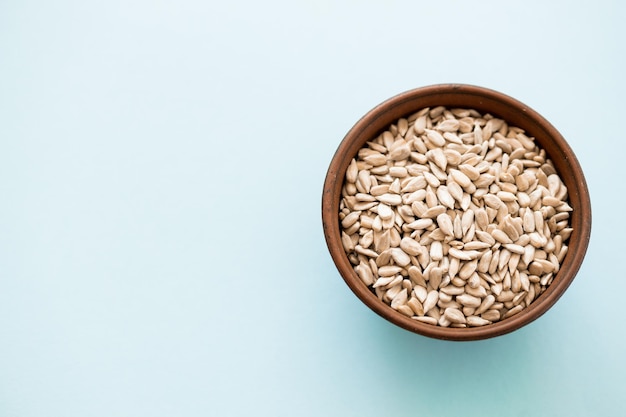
{"x":485,"y":101}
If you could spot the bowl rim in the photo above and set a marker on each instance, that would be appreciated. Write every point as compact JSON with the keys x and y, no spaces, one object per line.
{"x":355,"y":139}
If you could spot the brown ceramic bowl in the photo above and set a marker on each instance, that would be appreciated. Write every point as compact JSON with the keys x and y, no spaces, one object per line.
{"x":485,"y":101}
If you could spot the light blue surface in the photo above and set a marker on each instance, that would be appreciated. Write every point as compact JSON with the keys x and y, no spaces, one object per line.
{"x":161,"y":169}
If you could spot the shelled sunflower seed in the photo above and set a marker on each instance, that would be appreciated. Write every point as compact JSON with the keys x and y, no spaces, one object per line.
{"x":454,"y":218}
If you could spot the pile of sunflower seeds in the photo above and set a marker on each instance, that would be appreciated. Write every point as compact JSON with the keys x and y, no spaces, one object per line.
{"x":454,"y":218}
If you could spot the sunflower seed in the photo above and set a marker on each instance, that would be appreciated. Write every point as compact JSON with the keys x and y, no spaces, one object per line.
{"x":426,"y":319}
{"x":435,"y":138}
{"x":491,"y":315}
{"x":445,"y":224}
{"x":454,"y":316}
{"x":431,"y":300}
{"x":468,"y":300}
{"x":445,"y":198}
{"x":399,"y":299}
{"x":476,"y":321}
{"x":416,"y":306}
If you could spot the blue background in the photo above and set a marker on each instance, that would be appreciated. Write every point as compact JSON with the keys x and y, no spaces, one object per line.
{"x":161,"y":169}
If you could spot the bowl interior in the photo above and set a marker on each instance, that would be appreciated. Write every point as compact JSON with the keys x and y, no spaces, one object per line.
{"x":483,"y":100}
